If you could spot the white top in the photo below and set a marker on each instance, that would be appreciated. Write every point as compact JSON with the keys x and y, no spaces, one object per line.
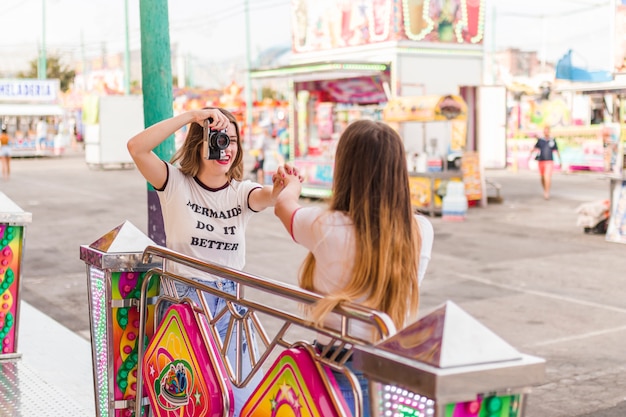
{"x":41,"y":129}
{"x":330,"y":237}
{"x":205,"y":223}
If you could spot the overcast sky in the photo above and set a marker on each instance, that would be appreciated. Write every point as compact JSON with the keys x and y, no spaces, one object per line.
{"x":212,"y":30}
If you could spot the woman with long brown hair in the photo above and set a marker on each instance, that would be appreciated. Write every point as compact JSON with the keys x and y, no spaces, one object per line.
{"x":368,"y":246}
{"x":206,"y":206}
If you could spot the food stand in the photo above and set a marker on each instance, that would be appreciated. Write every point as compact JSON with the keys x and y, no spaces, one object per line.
{"x":447,"y":115}
{"x":610,"y":149}
{"x":23,"y":103}
{"x":349,"y":68}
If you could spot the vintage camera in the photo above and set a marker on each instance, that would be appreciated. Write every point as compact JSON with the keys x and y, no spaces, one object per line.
{"x":218,"y":141}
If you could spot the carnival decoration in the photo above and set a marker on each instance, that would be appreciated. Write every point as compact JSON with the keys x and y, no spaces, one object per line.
{"x":326,"y":24}
{"x":460,"y":366}
{"x":115,"y":276}
{"x":296,"y":385}
{"x":13,"y":221}
{"x":183,"y":372}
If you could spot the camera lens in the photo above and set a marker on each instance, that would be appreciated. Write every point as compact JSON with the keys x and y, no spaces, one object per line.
{"x":219,"y":140}
{"x":222,"y":141}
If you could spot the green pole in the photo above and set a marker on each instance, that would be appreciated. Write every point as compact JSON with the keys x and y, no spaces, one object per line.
{"x":248,"y":78}
{"x":494,"y":76}
{"x":41,"y":68}
{"x":83,"y":58}
{"x":126,"y":53}
{"x":156,"y":75}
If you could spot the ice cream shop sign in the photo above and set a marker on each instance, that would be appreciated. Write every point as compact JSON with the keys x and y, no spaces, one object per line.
{"x":28,"y":90}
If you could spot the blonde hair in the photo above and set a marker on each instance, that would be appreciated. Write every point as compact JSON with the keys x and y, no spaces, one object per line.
{"x":371,"y":186}
{"x":190,"y":154}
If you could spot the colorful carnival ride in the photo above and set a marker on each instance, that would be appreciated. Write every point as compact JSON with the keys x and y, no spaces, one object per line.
{"x":445,"y":364}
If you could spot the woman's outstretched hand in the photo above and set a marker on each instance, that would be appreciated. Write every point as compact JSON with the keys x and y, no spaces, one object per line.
{"x":286,"y":176}
{"x":286,"y":193}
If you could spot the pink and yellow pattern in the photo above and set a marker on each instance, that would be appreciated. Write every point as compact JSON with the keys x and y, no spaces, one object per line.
{"x":296,"y":386}
{"x":183,"y":372}
{"x":125,"y":330}
{"x":10,"y":255}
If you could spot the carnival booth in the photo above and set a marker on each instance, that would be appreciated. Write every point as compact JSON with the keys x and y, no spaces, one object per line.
{"x":348,"y":68}
{"x":610,"y":147}
{"x":30,"y":109}
{"x":323,"y":110}
{"x":438,"y":156}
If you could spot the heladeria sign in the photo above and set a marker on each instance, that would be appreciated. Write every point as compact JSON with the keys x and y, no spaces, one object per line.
{"x":28,"y":90}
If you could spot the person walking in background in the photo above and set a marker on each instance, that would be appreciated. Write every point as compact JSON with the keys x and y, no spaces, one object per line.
{"x":368,"y":246}
{"x":263,"y":147}
{"x":41,"y":131}
{"x":282,"y":135}
{"x":5,"y":153}
{"x":206,"y":207}
{"x":543,"y":150}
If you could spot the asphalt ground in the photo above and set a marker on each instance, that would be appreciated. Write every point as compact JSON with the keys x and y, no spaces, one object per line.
{"x":523,"y":268}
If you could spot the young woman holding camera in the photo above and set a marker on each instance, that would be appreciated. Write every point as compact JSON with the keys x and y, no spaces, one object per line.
{"x":205,"y":204}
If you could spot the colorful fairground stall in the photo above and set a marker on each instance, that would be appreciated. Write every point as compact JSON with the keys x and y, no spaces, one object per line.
{"x":609,"y":144}
{"x":31,"y":111}
{"x":350,"y":58}
{"x":432,"y":164}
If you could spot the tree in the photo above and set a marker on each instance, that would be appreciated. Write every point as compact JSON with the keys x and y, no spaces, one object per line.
{"x":54,"y":69}
{"x":267,"y":92}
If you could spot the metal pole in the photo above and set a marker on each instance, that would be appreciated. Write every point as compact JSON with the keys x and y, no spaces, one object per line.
{"x":42,"y":67}
{"x":494,"y":72}
{"x":189,"y":71}
{"x":544,"y":48}
{"x":612,"y":34}
{"x":248,"y":77}
{"x":126,"y":53}
{"x":156,"y":75}
{"x":84,"y":59}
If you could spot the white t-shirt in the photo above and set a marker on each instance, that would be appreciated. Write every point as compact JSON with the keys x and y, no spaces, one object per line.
{"x":205,"y":223}
{"x":330,"y":237}
{"x":41,"y":129}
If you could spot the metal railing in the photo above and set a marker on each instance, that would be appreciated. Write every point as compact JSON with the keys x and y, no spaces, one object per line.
{"x":242,"y":325}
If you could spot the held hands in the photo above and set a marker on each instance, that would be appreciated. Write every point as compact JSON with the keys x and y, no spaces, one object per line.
{"x":287,"y":176}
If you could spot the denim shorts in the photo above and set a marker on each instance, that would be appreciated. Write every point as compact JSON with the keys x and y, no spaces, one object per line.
{"x":346,"y":389}
{"x":343,"y":383}
{"x":216,"y":304}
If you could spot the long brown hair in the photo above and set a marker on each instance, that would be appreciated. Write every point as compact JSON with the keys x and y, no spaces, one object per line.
{"x":190,"y":154}
{"x":371,"y":186}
